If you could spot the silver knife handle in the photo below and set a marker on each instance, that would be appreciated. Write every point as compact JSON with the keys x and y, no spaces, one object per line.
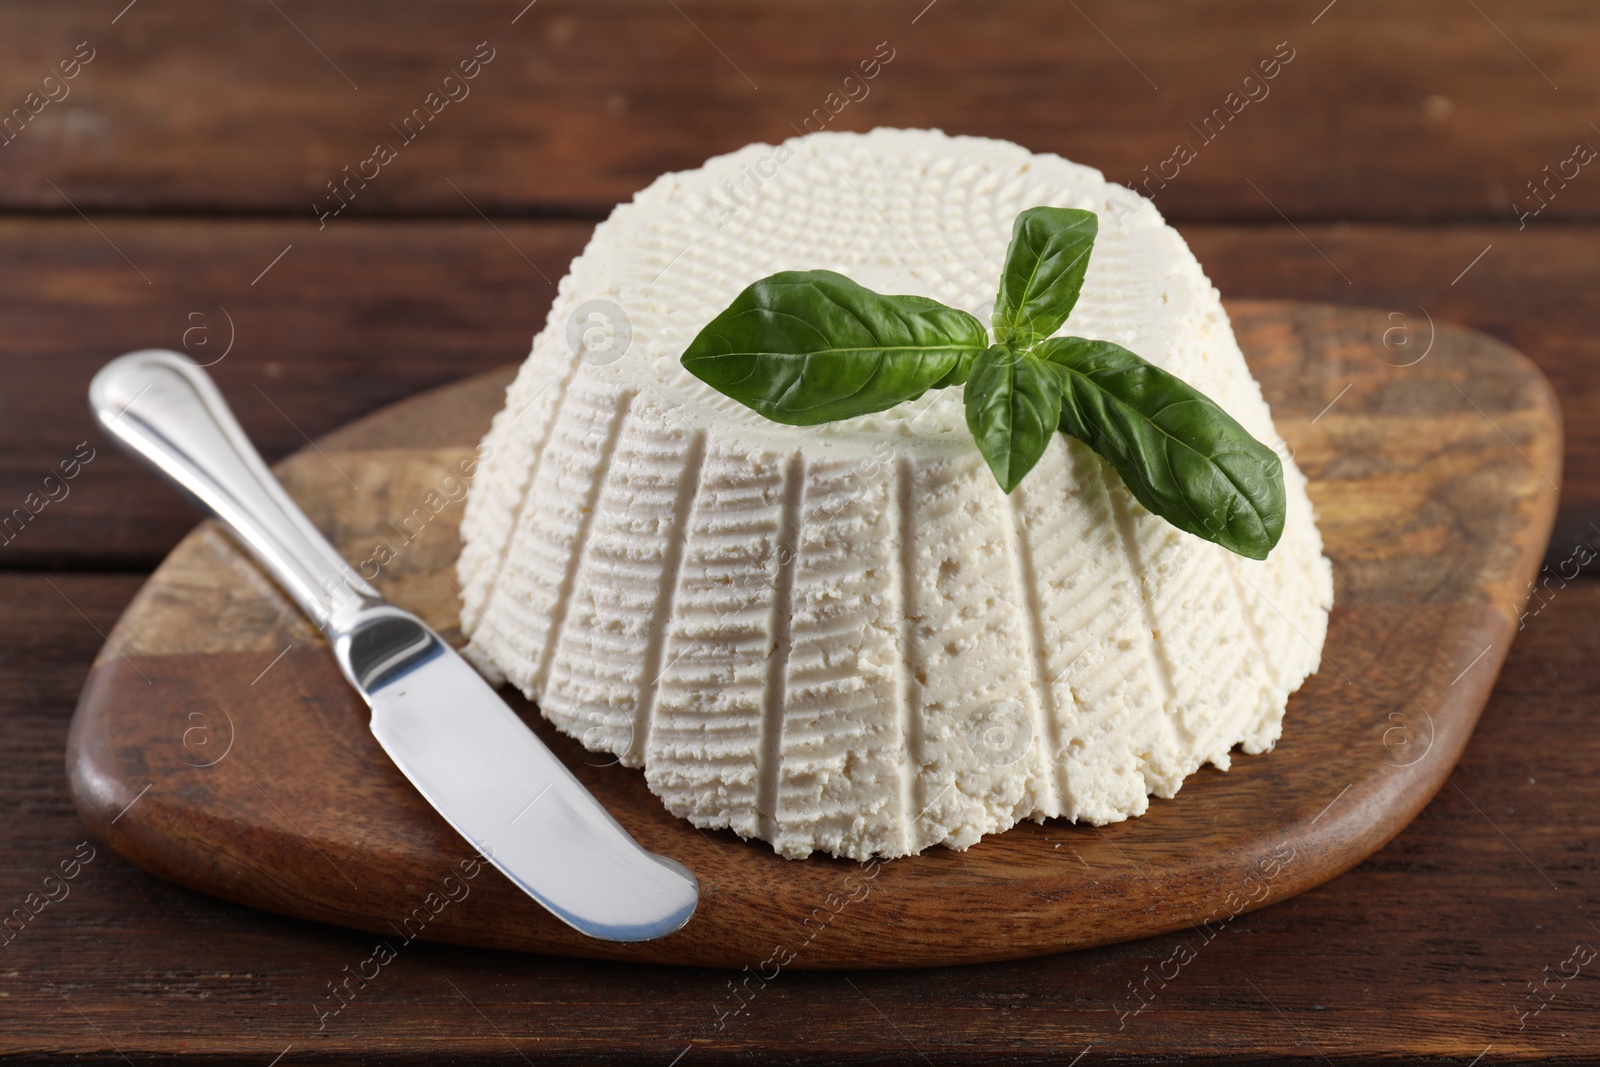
{"x":167,"y":411}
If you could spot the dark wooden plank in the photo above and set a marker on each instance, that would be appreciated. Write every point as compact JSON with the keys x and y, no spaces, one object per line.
{"x":358,"y":316}
{"x":349,"y":319}
{"x":1428,"y":110}
{"x":1424,"y":950}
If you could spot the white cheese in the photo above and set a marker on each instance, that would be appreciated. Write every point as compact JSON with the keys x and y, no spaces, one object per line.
{"x":845,"y":638}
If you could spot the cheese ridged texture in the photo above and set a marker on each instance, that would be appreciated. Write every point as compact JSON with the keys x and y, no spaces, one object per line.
{"x":846,"y":638}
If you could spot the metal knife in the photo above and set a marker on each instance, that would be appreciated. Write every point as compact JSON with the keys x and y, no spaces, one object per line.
{"x":443,"y":725}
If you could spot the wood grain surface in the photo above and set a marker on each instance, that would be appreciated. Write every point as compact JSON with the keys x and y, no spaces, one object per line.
{"x":1435,"y":109}
{"x":217,"y":746}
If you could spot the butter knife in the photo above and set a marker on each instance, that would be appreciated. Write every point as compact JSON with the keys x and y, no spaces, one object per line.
{"x":446,"y":729}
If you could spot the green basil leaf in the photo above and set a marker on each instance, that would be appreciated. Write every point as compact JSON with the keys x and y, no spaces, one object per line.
{"x":1181,"y":455}
{"x":963,"y":367}
{"x":1043,"y":274}
{"x":1013,"y":403}
{"x":960,"y":372}
{"x":808,"y":347}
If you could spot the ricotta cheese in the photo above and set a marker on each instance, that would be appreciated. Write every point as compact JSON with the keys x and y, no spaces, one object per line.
{"x":846,"y":638}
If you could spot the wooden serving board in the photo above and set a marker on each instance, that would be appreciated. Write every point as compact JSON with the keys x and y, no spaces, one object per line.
{"x":216,"y":744}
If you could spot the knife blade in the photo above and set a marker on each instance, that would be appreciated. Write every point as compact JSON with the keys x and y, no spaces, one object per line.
{"x":445,"y":728}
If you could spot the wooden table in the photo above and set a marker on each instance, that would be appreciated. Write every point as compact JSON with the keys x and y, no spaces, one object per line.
{"x":167,"y":196}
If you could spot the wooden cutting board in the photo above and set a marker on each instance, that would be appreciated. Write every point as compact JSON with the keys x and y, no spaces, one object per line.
{"x":216,"y":744}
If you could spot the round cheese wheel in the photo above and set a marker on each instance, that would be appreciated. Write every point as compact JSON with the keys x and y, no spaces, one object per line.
{"x":845,"y":637}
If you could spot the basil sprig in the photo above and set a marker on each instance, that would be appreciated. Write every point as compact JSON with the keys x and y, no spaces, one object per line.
{"x":808,"y":347}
